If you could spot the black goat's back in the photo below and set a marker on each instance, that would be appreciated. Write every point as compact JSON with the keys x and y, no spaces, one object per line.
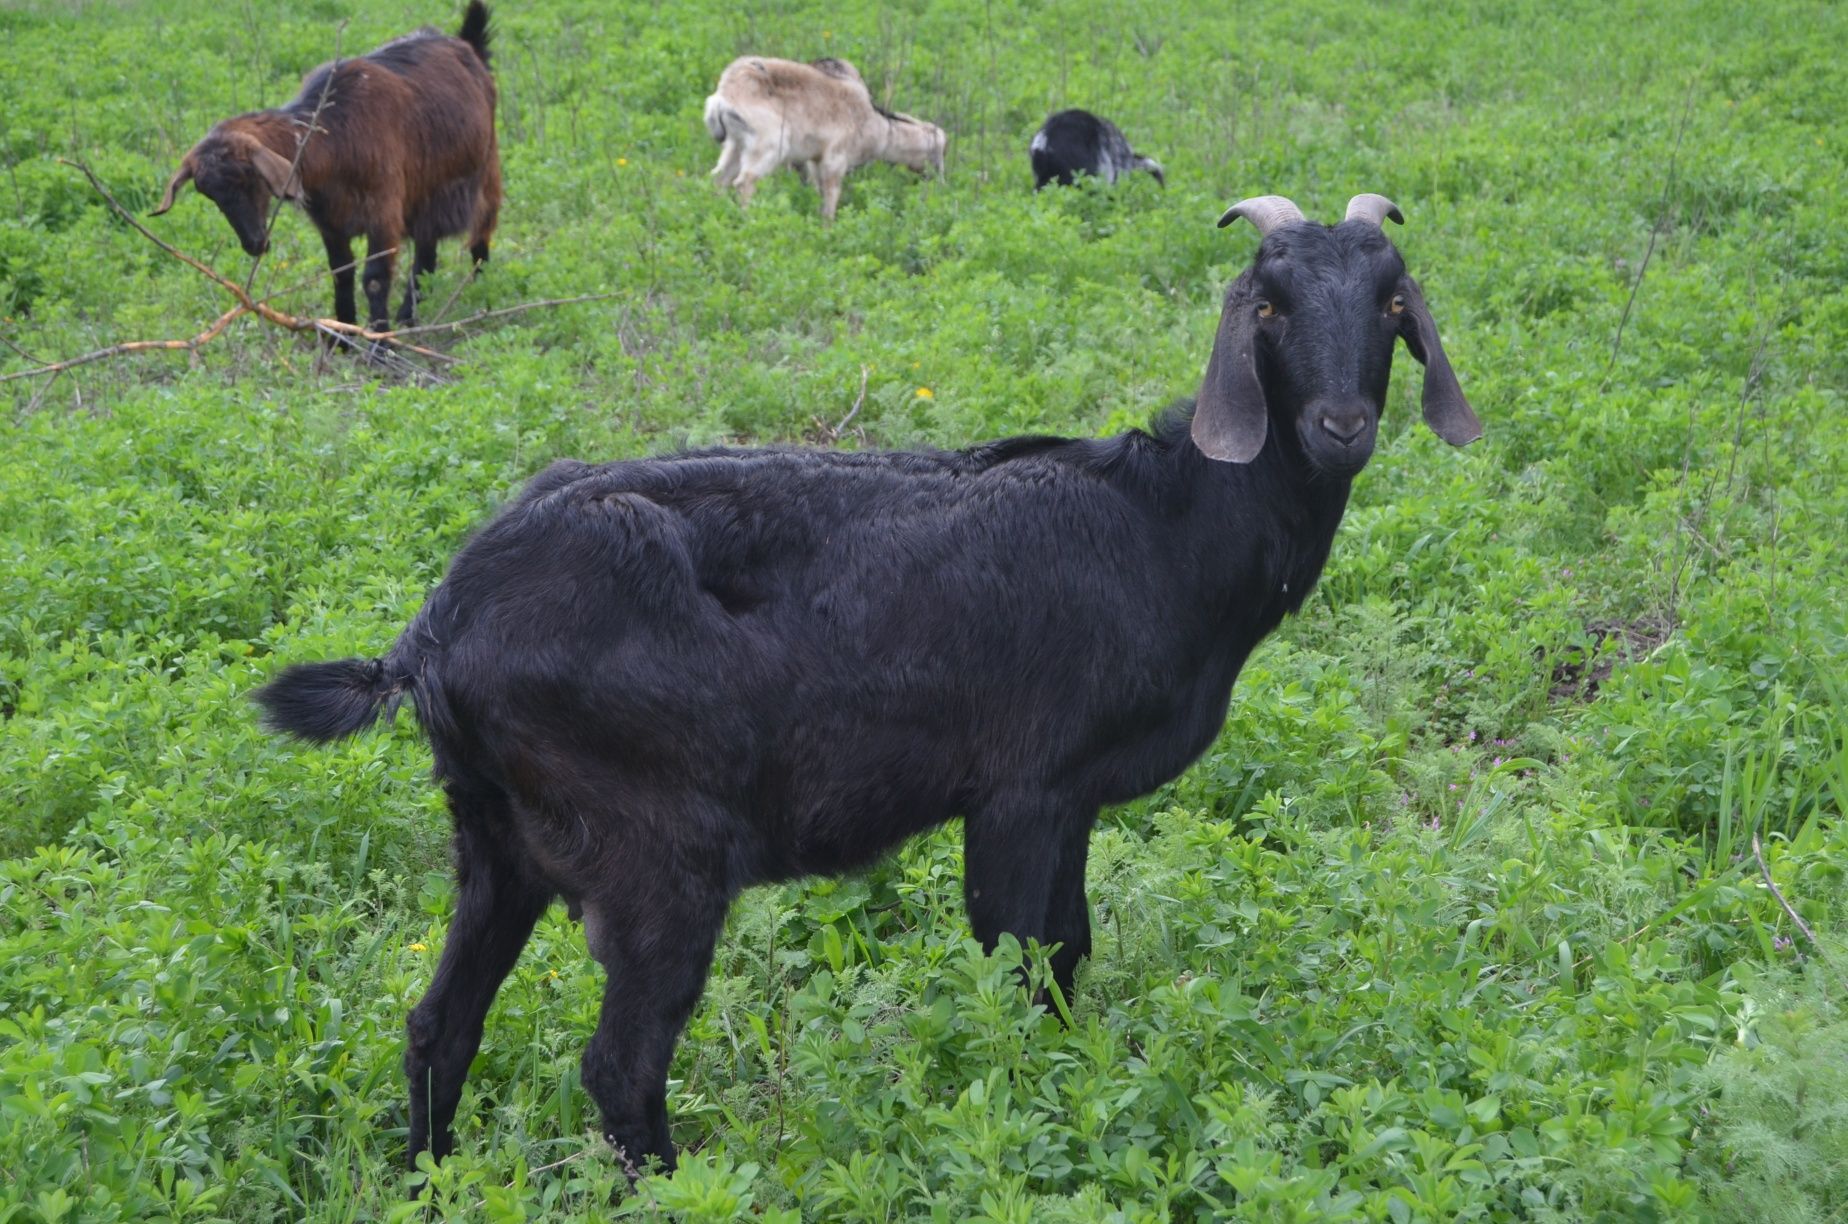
{"x":839,"y":649}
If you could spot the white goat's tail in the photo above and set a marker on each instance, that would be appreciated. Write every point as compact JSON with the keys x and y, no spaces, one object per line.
{"x":717,"y":112}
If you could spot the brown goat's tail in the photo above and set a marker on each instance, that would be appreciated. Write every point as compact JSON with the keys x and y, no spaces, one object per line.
{"x":475,"y":31}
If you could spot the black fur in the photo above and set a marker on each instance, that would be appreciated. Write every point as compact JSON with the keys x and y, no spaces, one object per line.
{"x":1074,"y":142}
{"x":476,"y":31}
{"x":649,"y":685}
{"x":323,"y":702}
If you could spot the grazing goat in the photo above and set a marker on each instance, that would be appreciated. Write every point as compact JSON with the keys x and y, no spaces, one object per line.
{"x":819,"y":118}
{"x":399,"y":143}
{"x":651,"y":684}
{"x":1075,"y":142}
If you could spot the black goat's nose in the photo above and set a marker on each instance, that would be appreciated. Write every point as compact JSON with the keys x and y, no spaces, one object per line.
{"x":1344,"y":429}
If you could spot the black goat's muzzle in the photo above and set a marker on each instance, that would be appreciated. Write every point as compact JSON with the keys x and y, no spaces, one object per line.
{"x":1338,"y":437}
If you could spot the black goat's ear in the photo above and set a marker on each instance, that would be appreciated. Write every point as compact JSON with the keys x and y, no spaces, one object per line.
{"x":1230,"y":420}
{"x":1445,"y":410}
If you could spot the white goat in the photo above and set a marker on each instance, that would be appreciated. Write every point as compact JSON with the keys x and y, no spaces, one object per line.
{"x":819,"y":118}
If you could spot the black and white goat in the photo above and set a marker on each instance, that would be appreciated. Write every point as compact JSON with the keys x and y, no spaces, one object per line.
{"x":1075,"y":142}
{"x":651,"y":684}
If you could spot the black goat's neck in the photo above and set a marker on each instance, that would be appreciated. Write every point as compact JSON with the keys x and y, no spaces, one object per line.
{"x":1264,"y":530}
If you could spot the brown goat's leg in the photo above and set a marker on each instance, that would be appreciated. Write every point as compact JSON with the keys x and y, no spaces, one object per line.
{"x":422,"y":265}
{"x":654,"y":937}
{"x":340,"y":262}
{"x":381,"y":254}
{"x":487,"y":216}
{"x":497,"y":902}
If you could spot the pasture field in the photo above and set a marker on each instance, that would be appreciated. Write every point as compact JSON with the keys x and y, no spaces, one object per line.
{"x":1513,"y":890}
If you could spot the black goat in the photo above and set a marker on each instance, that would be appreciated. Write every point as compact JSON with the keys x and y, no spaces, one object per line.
{"x":649,"y":685}
{"x":1075,"y":142}
{"x":393,"y":145}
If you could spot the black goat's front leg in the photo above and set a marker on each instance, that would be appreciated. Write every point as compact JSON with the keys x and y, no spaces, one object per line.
{"x":340,"y":263}
{"x":1023,"y":875}
{"x":1068,"y":911}
{"x":497,"y":902}
{"x":653,"y":932}
{"x":422,"y":265}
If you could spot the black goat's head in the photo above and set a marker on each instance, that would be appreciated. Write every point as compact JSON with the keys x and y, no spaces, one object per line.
{"x":239,"y":173}
{"x":1305,"y":342}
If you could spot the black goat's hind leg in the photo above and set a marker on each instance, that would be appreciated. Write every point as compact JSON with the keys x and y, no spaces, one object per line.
{"x":497,"y":902}
{"x":654,"y":935}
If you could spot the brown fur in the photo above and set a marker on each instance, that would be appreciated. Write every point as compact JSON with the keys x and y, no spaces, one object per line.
{"x":403,"y":150}
{"x":819,"y":118}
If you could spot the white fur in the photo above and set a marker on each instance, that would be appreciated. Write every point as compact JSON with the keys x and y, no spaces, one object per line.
{"x":770,"y":113}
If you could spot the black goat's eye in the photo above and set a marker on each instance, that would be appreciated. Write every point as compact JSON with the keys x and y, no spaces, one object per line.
{"x":1265,"y":309}
{"x":1398,"y":303}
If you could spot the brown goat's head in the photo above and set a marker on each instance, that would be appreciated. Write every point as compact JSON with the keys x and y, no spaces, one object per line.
{"x":235,"y":170}
{"x":1305,"y":343}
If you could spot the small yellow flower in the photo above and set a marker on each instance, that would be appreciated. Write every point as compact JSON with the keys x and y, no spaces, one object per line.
{"x":622,"y":161}
{"x":827,"y":34}
{"x":680,"y":174}
{"x":926,"y":393}
{"x":417,"y":947}
{"x":552,"y":976}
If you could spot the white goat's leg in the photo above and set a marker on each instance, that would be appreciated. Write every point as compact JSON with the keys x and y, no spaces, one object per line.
{"x":757,"y":163}
{"x":731,"y":154}
{"x":830,"y":192}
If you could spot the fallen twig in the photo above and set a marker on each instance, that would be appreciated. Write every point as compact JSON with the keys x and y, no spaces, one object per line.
{"x":502,"y":312}
{"x":20,"y":351}
{"x":1655,"y":232}
{"x":56,"y":368}
{"x":1772,"y":885}
{"x":389,"y":344}
{"x":833,"y":433}
{"x":559,"y":1164}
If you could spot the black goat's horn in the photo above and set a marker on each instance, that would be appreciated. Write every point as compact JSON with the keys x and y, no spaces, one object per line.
{"x":1265,"y":212}
{"x":1373,"y":208}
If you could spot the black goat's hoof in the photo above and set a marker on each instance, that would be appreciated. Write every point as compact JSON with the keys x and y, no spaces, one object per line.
{"x":643,"y":1163}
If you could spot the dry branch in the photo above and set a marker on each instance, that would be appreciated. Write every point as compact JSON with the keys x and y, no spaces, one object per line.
{"x":261,"y":307}
{"x":301,"y":147}
{"x":833,"y":433}
{"x":504,"y":311}
{"x":1787,"y":907}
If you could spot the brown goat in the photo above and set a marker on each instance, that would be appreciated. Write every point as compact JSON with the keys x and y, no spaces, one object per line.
{"x":399,"y":143}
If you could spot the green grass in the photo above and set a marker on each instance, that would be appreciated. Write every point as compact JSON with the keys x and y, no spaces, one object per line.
{"x":1459,"y":919}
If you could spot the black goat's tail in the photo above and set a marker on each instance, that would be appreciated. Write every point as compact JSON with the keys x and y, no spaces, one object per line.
{"x":475,"y":31}
{"x":329,"y":701}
